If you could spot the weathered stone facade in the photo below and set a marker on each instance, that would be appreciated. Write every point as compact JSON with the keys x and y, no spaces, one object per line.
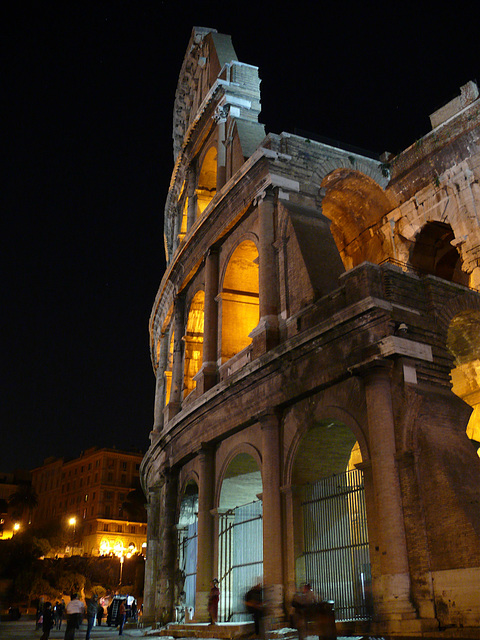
{"x":316,"y":308}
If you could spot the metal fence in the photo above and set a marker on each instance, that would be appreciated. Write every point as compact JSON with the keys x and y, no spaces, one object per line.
{"x":240,"y":558}
{"x":187,"y":556}
{"x":337,"y":560}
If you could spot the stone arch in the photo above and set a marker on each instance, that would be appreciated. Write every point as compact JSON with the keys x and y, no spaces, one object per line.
{"x":329,"y":417}
{"x":207,"y":180}
{"x":187,"y":531}
{"x":169,"y":366}
{"x":326,"y":508}
{"x":433,"y":253}
{"x":193,"y":341}
{"x":189,"y":481}
{"x":240,"y":478}
{"x":369,"y":168}
{"x":343,"y":405}
{"x":239,"y":299}
{"x":356,"y":204}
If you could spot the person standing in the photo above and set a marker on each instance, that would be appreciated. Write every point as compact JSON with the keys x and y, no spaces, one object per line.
{"x":75,"y":611}
{"x":100,"y":613}
{"x":92,"y":607}
{"x":213,"y":599}
{"x":59,"y":611}
{"x":47,"y":621}
{"x":303,"y":604}
{"x":254,"y":605}
{"x":122,"y":616}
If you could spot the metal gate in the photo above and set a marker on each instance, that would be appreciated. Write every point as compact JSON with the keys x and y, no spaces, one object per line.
{"x":337,"y":559}
{"x":240,"y":558}
{"x":187,"y":561}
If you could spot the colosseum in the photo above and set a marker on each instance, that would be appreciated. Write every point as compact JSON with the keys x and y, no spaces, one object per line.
{"x":316,"y":342}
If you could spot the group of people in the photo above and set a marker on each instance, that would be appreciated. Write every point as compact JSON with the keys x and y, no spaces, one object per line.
{"x":309,"y":611}
{"x":49,"y":617}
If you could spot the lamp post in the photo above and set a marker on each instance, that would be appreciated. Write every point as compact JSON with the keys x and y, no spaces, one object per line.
{"x":16,"y":528}
{"x":73,"y":523}
{"x":122,"y":560}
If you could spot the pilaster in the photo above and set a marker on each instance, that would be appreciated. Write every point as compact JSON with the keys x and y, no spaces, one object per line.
{"x":272,"y":514}
{"x":173,"y":406}
{"x":205,"y":547}
{"x":207,"y":376}
{"x":391,"y":588}
{"x":265,"y":335}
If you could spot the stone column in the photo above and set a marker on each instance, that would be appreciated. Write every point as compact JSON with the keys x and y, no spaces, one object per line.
{"x":392,"y":588}
{"x":205,"y":569}
{"x":168,"y":555}
{"x":151,"y":590}
{"x":178,"y":352}
{"x":272,"y":514}
{"x":207,"y":377}
{"x":293,"y":540}
{"x":265,"y":335}
{"x":192,"y":196}
{"x":221,"y":152}
{"x":160,"y":387}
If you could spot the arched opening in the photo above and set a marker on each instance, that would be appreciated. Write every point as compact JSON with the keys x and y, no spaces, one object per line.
{"x":463,"y":342}
{"x":330,"y":523}
{"x":240,"y":548}
{"x":355,"y":203}
{"x":193,"y":342}
{"x":187,"y":531}
{"x":207,"y":180}
{"x":240,"y":299}
{"x":434,"y":254}
{"x":168,"y":370}
{"x":183,"y":211}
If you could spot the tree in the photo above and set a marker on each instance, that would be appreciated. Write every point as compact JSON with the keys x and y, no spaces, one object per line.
{"x":134,"y":506}
{"x":23,"y":500}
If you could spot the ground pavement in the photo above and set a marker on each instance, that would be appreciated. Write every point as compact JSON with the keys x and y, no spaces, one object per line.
{"x":25,"y":630}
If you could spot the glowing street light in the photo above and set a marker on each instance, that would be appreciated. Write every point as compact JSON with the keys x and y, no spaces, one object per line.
{"x":73,"y":523}
{"x":16,"y":527}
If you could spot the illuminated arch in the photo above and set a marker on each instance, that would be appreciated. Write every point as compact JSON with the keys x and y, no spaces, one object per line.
{"x":355,"y":203}
{"x":168,"y":369}
{"x":182,"y":212}
{"x":240,"y":299}
{"x":207,"y":180}
{"x":194,"y":342}
{"x":241,"y":481}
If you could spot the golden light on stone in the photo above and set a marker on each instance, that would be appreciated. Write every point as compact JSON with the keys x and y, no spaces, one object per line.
{"x":207,"y":180}
{"x":240,"y":299}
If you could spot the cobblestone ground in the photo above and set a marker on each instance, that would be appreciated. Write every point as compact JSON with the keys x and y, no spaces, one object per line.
{"x":25,"y":630}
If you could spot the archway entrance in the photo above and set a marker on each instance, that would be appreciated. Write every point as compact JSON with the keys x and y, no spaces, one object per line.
{"x":187,"y":549}
{"x":433,"y":253}
{"x":333,"y":553}
{"x":240,"y":555}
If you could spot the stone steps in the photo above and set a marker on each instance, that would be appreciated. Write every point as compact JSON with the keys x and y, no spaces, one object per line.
{"x":222,"y":631}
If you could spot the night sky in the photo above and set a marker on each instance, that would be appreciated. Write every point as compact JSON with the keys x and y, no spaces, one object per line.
{"x":89,"y":90}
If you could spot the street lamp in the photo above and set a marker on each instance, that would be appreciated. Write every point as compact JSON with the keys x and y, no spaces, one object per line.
{"x":73,"y":523}
{"x":16,"y":528}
